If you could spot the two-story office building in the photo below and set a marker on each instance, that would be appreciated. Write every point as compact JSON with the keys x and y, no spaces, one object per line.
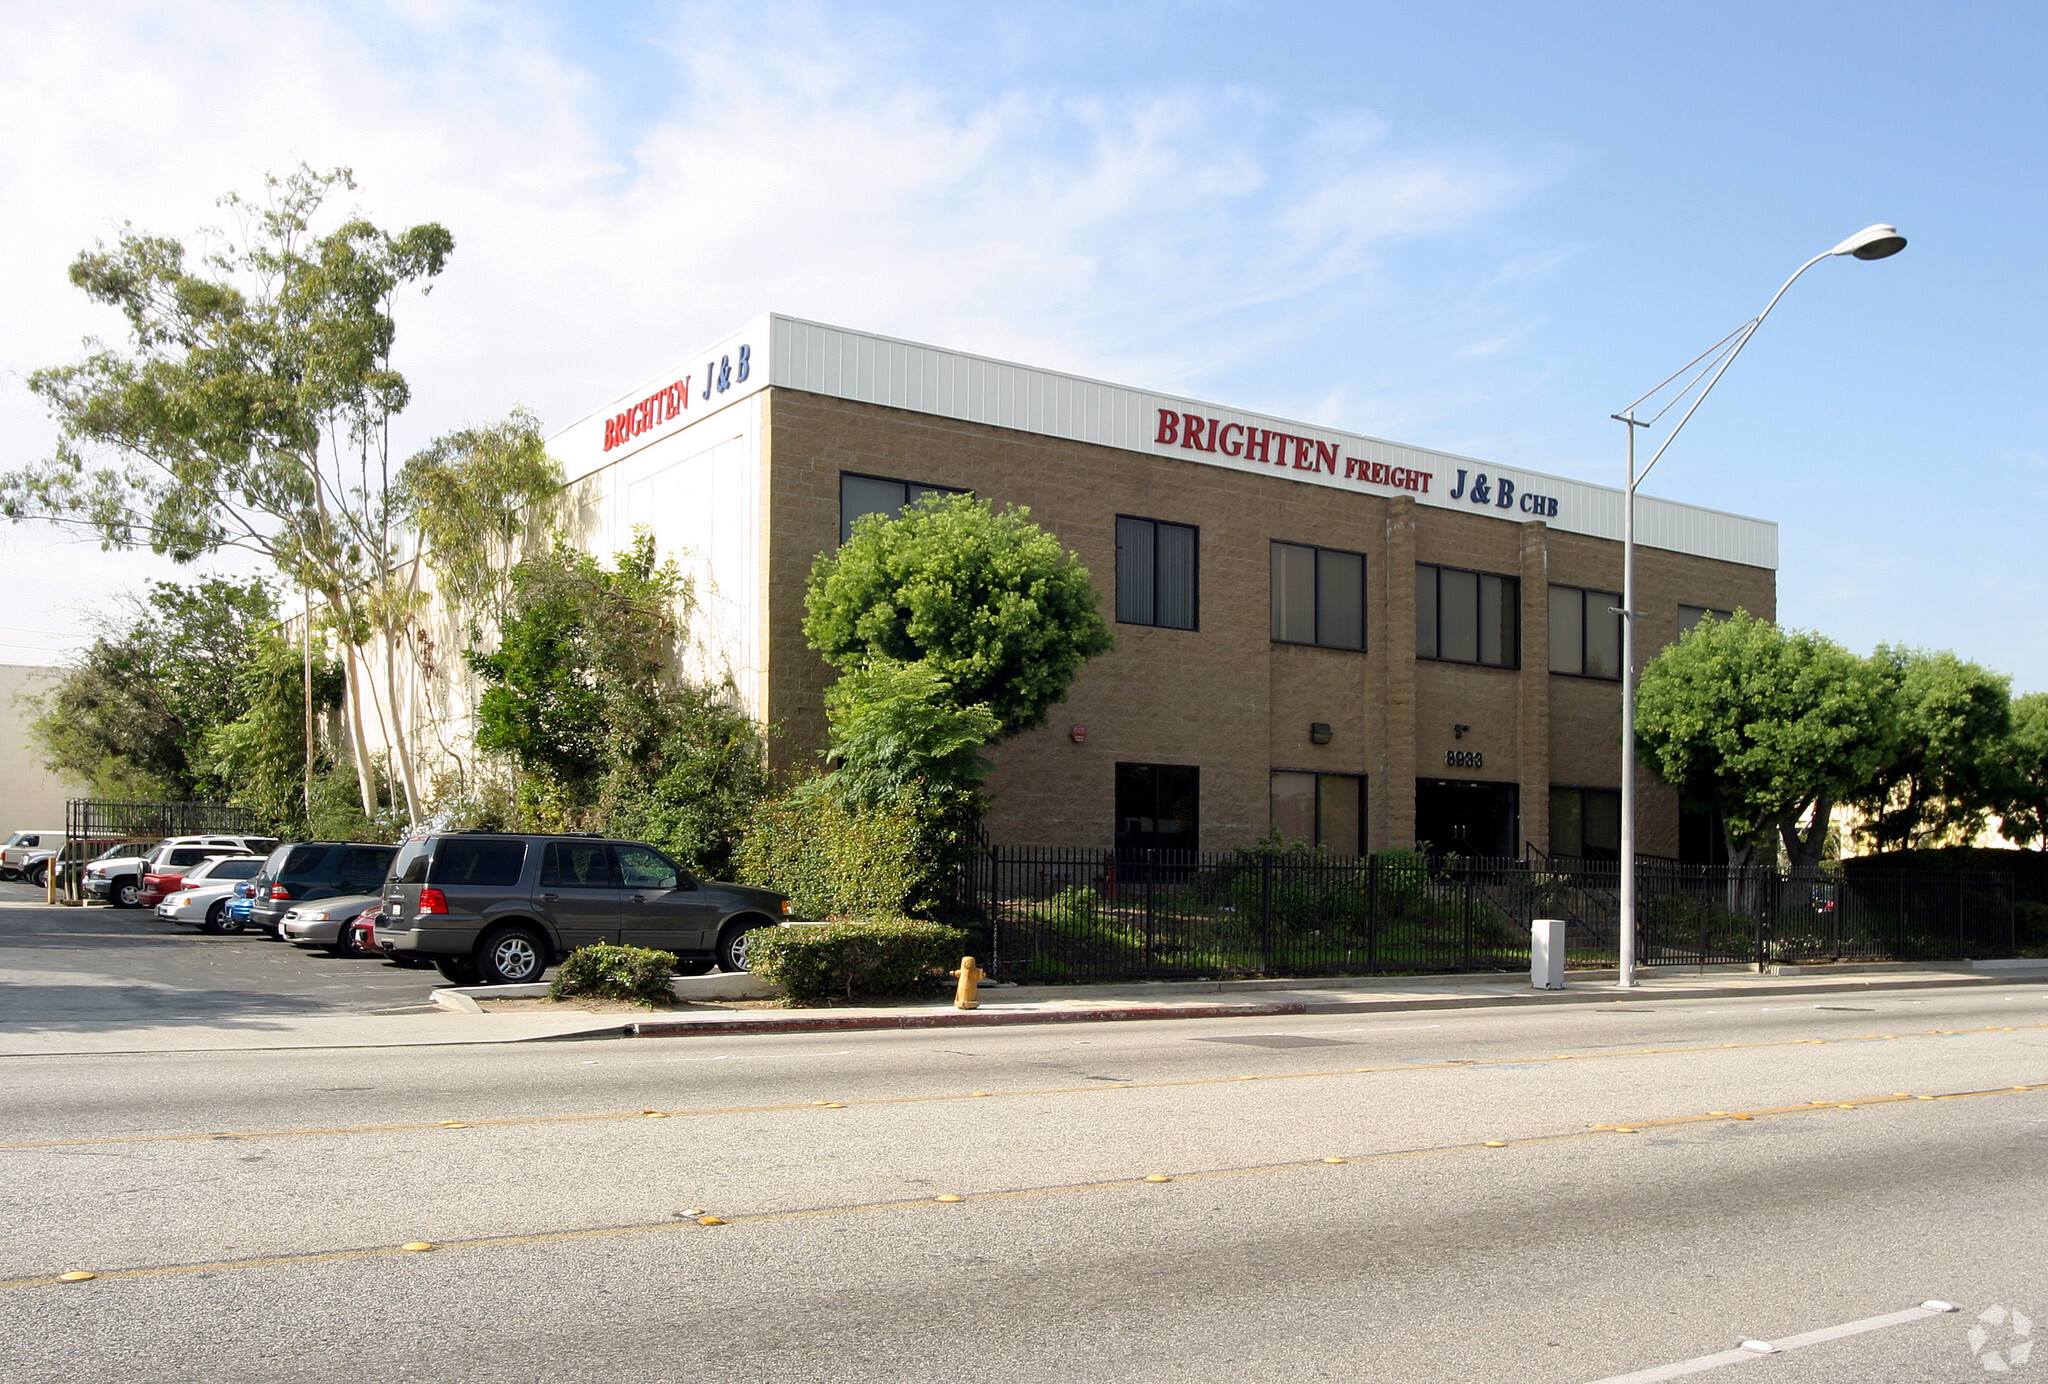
{"x":1353,"y":641}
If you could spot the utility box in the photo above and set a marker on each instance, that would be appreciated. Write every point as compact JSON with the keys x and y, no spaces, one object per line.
{"x":1546,"y":954}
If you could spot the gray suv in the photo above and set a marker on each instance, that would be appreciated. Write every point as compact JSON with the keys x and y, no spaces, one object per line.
{"x":498,"y":908}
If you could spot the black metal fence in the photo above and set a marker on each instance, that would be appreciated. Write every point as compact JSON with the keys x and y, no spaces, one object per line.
{"x":96,"y":822}
{"x":1063,"y":914}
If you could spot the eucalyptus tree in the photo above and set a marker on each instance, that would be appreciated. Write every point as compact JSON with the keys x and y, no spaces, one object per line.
{"x":250,"y":409}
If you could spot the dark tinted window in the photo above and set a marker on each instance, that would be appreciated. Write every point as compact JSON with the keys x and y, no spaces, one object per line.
{"x":364,"y":862}
{"x":494,"y":864}
{"x":412,"y":862}
{"x":301,"y":860}
{"x":190,"y":855}
{"x":578,"y":864}
{"x":235,"y":869}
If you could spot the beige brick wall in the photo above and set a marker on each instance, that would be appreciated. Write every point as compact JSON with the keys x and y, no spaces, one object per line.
{"x":1226,"y":697}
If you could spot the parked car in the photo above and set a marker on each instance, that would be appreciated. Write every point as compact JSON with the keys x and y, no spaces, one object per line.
{"x":501,"y":908}
{"x":308,"y":871}
{"x":118,"y":879}
{"x":163,"y":870}
{"x":75,"y":856}
{"x":14,"y":852}
{"x":202,"y":899}
{"x":240,"y":901}
{"x":326,"y":924}
{"x":362,"y":935}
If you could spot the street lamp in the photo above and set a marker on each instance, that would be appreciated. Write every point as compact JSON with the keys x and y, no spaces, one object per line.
{"x":1870,"y":243}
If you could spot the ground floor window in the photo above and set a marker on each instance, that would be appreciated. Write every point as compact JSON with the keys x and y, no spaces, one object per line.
{"x":1702,"y":837}
{"x":1464,"y":817}
{"x":1326,"y":810}
{"x":1158,"y":807}
{"x":1585,"y":822}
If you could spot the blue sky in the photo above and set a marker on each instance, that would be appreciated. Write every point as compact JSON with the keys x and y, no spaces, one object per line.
{"x":1478,"y":227}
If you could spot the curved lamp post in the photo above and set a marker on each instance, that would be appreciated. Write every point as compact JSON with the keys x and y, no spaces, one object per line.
{"x":1870,"y":243}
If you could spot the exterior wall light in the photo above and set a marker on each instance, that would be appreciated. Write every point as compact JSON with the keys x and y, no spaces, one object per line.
{"x":1319,"y":733}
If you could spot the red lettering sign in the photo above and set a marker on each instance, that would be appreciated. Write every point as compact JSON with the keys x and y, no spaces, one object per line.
{"x":665,"y":403}
{"x":1194,"y":433}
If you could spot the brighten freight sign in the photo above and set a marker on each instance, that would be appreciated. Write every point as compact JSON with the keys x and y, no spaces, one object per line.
{"x":1198,"y":434}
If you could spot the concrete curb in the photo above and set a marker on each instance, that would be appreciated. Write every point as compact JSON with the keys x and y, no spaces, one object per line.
{"x":955,"y":1018}
{"x":1611,"y":995}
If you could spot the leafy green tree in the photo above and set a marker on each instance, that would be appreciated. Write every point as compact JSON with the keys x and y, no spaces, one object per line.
{"x":989,"y":600}
{"x":133,"y":717}
{"x":897,"y":726}
{"x":1950,"y":721}
{"x":1771,"y":727}
{"x":2022,"y":793}
{"x":582,"y":694}
{"x":260,"y":756}
{"x":250,"y":410}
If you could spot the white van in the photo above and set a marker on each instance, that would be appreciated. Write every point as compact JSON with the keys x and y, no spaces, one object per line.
{"x":18,"y":847}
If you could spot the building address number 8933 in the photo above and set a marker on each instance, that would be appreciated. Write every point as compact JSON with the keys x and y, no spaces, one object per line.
{"x":1464,"y":759}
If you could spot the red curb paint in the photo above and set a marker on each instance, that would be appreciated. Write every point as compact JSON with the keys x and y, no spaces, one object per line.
{"x":979,"y":1018}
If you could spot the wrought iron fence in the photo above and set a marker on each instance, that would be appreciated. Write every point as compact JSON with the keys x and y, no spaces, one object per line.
{"x":92,"y":823}
{"x":1067,"y":914}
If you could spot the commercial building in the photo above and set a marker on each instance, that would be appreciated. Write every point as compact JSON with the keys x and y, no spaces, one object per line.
{"x":1354,"y":641}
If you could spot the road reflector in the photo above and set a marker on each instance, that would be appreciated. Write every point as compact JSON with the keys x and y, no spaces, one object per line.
{"x":1844,"y":1105}
{"x":1902,"y":1093}
{"x":1923,"y":1098}
{"x":977,"y":1093}
{"x":1760,"y":1347}
{"x":1496,"y":1143}
{"x":1717,"y":1112}
{"x":1937,"y":1305}
{"x":75,"y":1276}
{"x":650,"y":1112}
{"x":709,"y":1220}
{"x":415,"y":1246}
{"x":694,"y":1211}
{"x":1623,"y":1129}
{"x":453,"y":1124}
{"x":949,"y":1197}
{"x":1742,"y":1117}
{"x":1157,"y":1177}
{"x":1333,"y":1158}
{"x":833,"y":1104}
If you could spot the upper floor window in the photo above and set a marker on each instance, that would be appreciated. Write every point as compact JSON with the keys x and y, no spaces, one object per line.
{"x":1318,"y":596}
{"x":1467,"y":617}
{"x":1155,"y":573}
{"x":860,"y":495}
{"x":1690,"y":615}
{"x":1585,"y":632}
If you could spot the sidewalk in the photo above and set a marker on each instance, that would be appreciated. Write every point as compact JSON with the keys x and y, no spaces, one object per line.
{"x":1001,"y":1006}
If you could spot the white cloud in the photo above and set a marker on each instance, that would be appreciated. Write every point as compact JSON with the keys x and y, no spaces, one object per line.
{"x":794,"y":167}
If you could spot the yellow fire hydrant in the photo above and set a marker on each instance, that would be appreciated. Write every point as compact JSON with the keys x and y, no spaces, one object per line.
{"x":971,"y":976}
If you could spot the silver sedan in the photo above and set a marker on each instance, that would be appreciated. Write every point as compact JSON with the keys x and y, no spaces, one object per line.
{"x":324,"y":922}
{"x":203,"y":905}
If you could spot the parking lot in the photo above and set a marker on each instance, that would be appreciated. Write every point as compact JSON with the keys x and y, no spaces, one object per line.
{"x":104,"y":966}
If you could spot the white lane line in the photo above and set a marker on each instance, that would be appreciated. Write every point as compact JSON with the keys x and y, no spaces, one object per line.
{"x":1747,"y":1352}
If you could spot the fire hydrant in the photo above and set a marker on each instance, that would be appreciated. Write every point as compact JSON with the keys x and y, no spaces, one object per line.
{"x":971,"y":977}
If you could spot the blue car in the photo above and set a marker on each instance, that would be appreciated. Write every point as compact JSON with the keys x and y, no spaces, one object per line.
{"x":239,"y":904}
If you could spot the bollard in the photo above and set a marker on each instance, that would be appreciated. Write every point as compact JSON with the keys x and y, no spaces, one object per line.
{"x":971,"y":977}
{"x":1546,"y":954}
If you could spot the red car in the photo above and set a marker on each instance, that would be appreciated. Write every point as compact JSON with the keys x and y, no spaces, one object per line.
{"x":164,"y":871}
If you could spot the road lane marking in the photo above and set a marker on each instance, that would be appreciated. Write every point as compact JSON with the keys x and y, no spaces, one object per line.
{"x":1449,"y":1064}
{"x":1748,"y":1351}
{"x":1148,"y":1181}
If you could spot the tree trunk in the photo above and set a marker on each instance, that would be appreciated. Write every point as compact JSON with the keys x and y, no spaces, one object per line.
{"x":366,"y":774}
{"x":401,"y":749}
{"x":306,"y":646}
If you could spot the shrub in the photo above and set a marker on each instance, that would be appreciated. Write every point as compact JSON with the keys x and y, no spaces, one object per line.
{"x":874,"y":956}
{"x":610,"y":972}
{"x":829,"y":859}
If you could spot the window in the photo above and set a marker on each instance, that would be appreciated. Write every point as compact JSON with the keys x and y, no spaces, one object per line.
{"x":1690,"y":615}
{"x":298,"y":860}
{"x":1467,"y":617}
{"x":859,"y":495}
{"x":1585,"y":632}
{"x":643,"y":867}
{"x":493,"y":864}
{"x":1155,"y":573}
{"x":1326,"y":810}
{"x":578,"y":865}
{"x":1158,"y":807}
{"x":365,"y":862}
{"x":412,"y":862}
{"x":1318,"y":596}
{"x":233,"y":869}
{"x":1585,"y":822}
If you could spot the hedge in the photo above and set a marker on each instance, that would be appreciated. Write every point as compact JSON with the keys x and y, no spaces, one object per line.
{"x":605,"y":971}
{"x":831,"y":861}
{"x":878,"y":956}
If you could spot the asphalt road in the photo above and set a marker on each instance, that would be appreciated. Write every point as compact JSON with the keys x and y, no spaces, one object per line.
{"x":126,"y":967}
{"x":245,"y":1210}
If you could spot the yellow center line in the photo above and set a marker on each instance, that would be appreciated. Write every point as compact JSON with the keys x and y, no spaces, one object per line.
{"x":1148,"y":1181}
{"x":401,"y":1127}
